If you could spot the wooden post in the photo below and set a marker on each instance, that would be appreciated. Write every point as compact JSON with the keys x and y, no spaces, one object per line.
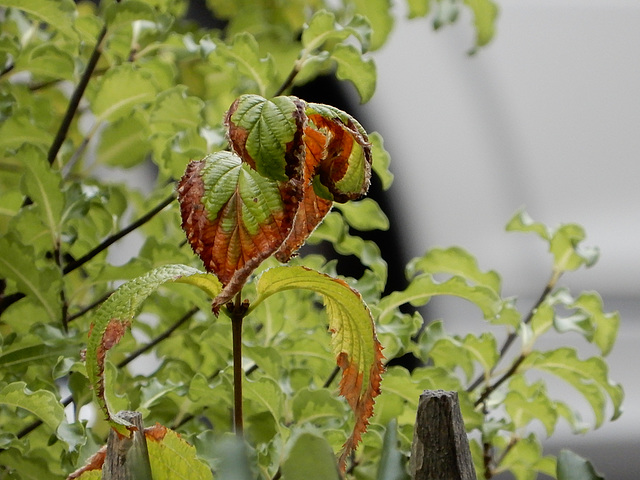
{"x":127,"y":458}
{"x":440,"y":447}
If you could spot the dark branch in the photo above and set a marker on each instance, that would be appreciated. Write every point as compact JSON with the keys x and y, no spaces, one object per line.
{"x":75,"y":99}
{"x":114,"y":238}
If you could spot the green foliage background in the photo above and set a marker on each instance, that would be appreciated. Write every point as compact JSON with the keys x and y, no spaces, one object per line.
{"x":157,"y":86}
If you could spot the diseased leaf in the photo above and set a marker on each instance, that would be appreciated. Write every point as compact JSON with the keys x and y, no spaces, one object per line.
{"x":234,"y":217}
{"x":357,"y":350}
{"x":41,"y":403}
{"x":116,"y":314}
{"x":170,"y":456}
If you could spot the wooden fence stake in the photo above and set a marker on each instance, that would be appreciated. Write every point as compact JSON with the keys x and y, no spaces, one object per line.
{"x":440,"y":449}
{"x":127,"y":458}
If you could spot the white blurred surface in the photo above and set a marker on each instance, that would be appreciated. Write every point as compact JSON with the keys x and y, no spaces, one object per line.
{"x":547,"y":118}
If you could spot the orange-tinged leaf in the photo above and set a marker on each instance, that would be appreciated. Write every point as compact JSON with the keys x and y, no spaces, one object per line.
{"x":355,"y":345}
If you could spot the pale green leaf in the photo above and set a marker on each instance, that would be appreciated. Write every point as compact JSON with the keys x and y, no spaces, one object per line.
{"x":47,"y":60}
{"x":418,"y":8}
{"x":590,"y":377}
{"x":485,"y":13}
{"x":314,"y":405}
{"x":454,"y":261}
{"x":125,"y":142}
{"x":59,"y":14}
{"x":244,"y":54}
{"x":381,"y":160}
{"x":266,"y":395}
{"x":423,"y":287}
{"x":604,"y":326}
{"x":572,"y":466}
{"x":525,"y":403}
{"x":357,"y":69}
{"x":42,"y":284}
{"x":522,"y":222}
{"x":364,"y":215}
{"x":122,"y":88}
{"x":19,"y":130}
{"x":299,"y":464}
{"x":41,"y":403}
{"x":42,"y":184}
{"x":378,"y":13}
{"x":568,"y":253}
{"x":120,"y":14}
{"x":175,"y":110}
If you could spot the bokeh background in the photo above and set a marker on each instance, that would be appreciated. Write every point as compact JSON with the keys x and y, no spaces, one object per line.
{"x":546,"y":118}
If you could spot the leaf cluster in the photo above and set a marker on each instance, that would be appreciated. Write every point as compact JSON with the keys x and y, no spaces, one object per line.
{"x":94,"y":94}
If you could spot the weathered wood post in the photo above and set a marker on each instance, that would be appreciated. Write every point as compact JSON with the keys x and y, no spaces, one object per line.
{"x":440,"y":449}
{"x":127,"y":458}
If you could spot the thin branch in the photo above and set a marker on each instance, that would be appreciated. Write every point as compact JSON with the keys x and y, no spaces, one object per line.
{"x":288,"y":82}
{"x":117,"y":236}
{"x":513,"y":335}
{"x":491,"y":388}
{"x":331,"y":378}
{"x":238,"y":311}
{"x":74,"y":101}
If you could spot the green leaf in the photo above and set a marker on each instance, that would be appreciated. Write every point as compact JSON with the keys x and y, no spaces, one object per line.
{"x":485,"y":13}
{"x":121,"y":89}
{"x":392,"y":465}
{"x":175,"y":110}
{"x":357,"y":350}
{"x":42,"y":184}
{"x":454,"y":261}
{"x":418,"y":8}
{"x":364,"y":215}
{"x":19,"y":130}
{"x":358,"y":70}
{"x":121,"y":14}
{"x":41,"y":403}
{"x":313,"y":405}
{"x":41,"y":284}
{"x":47,"y":60}
{"x":525,"y":459}
{"x":423,"y":287}
{"x":525,"y":403}
{"x":125,"y":142}
{"x":323,"y":32}
{"x":450,"y":353}
{"x":572,"y":466}
{"x":116,"y":314}
{"x":267,"y":126}
{"x":57,"y":13}
{"x":17,"y":358}
{"x":378,"y":12}
{"x":381,"y":160}
{"x":244,"y":54}
{"x":299,"y":464}
{"x":522,"y":222}
{"x":589,"y":377}
{"x":604,"y":326}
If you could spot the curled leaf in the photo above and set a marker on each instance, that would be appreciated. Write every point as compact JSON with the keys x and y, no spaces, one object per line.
{"x":115,"y":316}
{"x":355,"y":345}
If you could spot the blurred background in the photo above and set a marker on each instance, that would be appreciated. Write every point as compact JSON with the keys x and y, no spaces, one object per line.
{"x":546,"y":118}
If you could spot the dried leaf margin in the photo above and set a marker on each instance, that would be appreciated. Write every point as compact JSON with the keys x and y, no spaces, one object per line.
{"x":116,"y":314}
{"x":353,"y":338}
